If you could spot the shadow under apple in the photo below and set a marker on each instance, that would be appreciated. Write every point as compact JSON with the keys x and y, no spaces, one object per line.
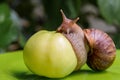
{"x":30,"y":76}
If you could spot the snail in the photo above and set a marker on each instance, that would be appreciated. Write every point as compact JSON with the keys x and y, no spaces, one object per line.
{"x":102,"y":50}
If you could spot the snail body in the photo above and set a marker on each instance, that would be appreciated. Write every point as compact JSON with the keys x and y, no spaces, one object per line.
{"x":75,"y":35}
{"x":102,"y":49}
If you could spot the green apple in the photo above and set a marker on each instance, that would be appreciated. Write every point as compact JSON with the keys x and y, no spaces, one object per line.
{"x":49,"y":54}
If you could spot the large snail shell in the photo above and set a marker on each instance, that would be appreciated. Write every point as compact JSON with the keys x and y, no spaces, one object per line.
{"x":102,"y":49}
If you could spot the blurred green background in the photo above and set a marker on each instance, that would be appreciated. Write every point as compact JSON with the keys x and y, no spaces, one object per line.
{"x":19,"y":19}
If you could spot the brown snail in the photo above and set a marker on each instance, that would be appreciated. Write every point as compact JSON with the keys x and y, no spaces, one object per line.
{"x":75,"y":35}
{"x":102,"y":50}
{"x":91,"y":44}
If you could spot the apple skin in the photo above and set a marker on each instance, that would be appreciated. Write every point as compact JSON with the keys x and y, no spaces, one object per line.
{"x":49,"y":54}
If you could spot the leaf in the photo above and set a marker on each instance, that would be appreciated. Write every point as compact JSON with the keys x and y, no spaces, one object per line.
{"x":110,"y":10}
{"x":8,"y":31}
{"x":12,"y":67}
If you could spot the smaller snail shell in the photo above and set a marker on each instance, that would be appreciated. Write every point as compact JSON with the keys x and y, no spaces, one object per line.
{"x":102,"y":49}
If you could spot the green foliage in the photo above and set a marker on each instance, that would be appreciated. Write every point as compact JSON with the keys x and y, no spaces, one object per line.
{"x":9,"y":29}
{"x":110,"y":10}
